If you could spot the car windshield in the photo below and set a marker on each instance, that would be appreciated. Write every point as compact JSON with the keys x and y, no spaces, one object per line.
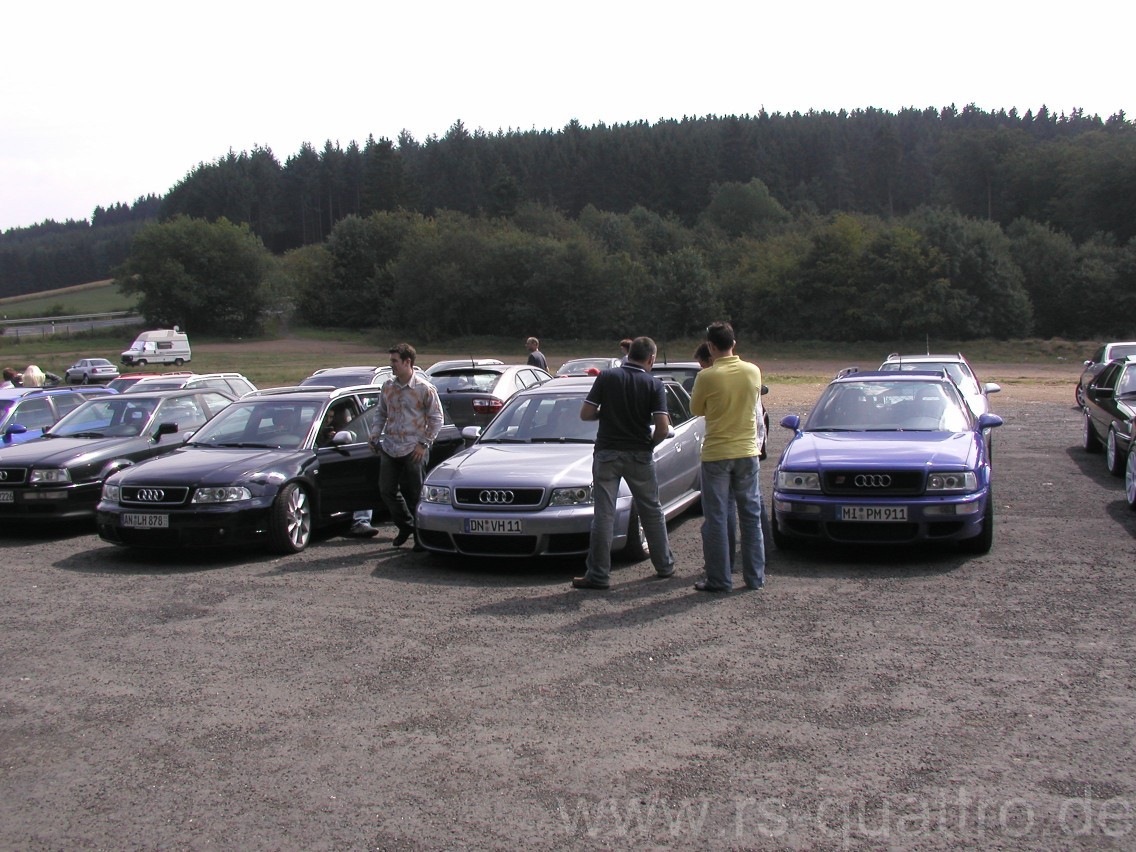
{"x":272,"y":422}
{"x":1126,"y":384}
{"x":541,"y":419}
{"x":339,"y":380}
{"x":109,"y":416}
{"x":885,"y":406}
{"x":1126,"y":351}
{"x":151,"y":386}
{"x":465,"y":381}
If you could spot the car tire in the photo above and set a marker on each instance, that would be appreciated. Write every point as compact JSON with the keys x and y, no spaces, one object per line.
{"x":1113,"y":457}
{"x":982,"y":542}
{"x":178,"y":362}
{"x":141,"y":362}
{"x":86,"y":379}
{"x":637,"y":549}
{"x":1089,"y":439}
{"x":290,"y":524}
{"x":1130,"y":481}
{"x":1079,"y":395}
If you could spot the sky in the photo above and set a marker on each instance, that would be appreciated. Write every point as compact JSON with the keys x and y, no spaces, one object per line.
{"x":103,"y":103}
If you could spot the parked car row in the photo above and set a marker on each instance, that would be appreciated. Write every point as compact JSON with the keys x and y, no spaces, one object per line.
{"x":896,"y":455}
{"x":1106,"y":394}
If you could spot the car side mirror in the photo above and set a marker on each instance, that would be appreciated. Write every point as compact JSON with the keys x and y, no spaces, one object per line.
{"x":989,"y":421}
{"x":343,"y":436}
{"x":991,"y":387}
{"x":764,"y":390}
{"x":791,"y":421}
{"x":165,"y":429}
{"x":471,"y":433}
{"x":14,"y":429}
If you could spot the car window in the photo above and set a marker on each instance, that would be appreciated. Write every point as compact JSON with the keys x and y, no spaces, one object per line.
{"x":465,"y":381}
{"x":65,"y":403}
{"x":342,"y":415}
{"x":677,"y":407}
{"x":34,"y":414}
{"x":213,"y":402}
{"x":1106,"y":378}
{"x":1122,"y":352}
{"x":887,"y":406}
{"x":5,"y":407}
{"x":185,"y":411}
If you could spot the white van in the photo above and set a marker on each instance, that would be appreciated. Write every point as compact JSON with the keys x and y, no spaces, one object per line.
{"x":163,"y":346}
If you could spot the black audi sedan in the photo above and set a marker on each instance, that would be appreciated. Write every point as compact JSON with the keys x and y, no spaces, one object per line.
{"x":269,"y":470}
{"x":60,"y":474}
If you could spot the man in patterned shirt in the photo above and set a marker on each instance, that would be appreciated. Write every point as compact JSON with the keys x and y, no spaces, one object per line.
{"x":406,"y":421}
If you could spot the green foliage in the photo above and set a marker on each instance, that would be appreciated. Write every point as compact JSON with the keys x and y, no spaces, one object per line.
{"x":197,"y":274}
{"x":740,"y":210}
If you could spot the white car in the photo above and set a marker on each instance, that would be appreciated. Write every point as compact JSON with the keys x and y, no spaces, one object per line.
{"x":958,"y":370}
{"x":88,"y":370}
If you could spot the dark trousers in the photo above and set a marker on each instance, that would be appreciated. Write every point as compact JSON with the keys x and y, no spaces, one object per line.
{"x":400,"y":486}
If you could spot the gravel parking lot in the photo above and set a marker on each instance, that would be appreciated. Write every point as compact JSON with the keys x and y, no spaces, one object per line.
{"x":357,"y":696}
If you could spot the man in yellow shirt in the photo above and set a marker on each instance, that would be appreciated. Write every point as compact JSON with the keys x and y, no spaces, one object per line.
{"x":726,"y":395}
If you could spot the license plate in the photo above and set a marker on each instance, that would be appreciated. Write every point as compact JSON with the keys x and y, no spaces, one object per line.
{"x":873,"y":513}
{"x":7,"y":496}
{"x":146,"y":522}
{"x":494,"y":526}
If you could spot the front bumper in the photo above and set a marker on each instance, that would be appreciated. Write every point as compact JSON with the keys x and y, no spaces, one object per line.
{"x":218,"y":525}
{"x":49,"y":503}
{"x":817,"y":517}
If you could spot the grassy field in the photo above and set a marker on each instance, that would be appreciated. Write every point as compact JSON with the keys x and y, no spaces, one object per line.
{"x":93,"y":298}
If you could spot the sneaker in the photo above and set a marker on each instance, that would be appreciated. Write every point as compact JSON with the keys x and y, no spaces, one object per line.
{"x":362,"y":530}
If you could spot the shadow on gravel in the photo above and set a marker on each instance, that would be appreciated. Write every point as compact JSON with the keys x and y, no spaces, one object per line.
{"x":129,"y":560}
{"x":23,"y":533}
{"x":1092,"y":464}
{"x":866,"y":561}
{"x":1120,"y":512}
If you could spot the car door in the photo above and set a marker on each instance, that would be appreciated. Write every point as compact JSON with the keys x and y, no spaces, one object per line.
{"x":348,"y":473}
{"x":1101,"y":403}
{"x":677,"y":459}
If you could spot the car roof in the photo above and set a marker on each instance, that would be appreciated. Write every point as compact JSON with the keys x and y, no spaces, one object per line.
{"x":307,"y":391}
{"x":20,"y":393}
{"x":957,"y":358}
{"x":892,"y":376}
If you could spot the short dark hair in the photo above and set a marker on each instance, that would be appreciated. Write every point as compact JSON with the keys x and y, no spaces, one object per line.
{"x":404,"y":351}
{"x":641,"y":349}
{"x":625,"y":344}
{"x":702,"y":353}
{"x":721,"y":334}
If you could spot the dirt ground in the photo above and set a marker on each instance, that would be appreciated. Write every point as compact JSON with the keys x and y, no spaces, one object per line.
{"x":359,"y":696}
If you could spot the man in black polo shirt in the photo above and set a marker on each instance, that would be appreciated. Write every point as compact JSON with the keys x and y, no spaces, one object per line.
{"x":631,"y":406}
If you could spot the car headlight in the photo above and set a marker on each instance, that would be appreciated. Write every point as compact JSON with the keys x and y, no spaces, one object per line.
{"x":111,"y":492}
{"x":579,"y":496}
{"x":225,"y":494}
{"x":798,"y":480}
{"x":52,"y":475}
{"x":960,"y":482}
{"x":435,"y":494}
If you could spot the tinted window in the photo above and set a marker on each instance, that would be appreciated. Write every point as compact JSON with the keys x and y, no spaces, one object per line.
{"x":34,"y":414}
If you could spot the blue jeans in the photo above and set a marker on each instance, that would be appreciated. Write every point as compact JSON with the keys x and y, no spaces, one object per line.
{"x":720,"y":480}
{"x":638,"y":470}
{"x":732,"y":524}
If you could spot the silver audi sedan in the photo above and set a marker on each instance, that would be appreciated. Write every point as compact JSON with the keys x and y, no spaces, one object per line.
{"x":524,"y":487}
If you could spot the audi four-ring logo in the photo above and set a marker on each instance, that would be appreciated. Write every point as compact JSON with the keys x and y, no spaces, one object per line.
{"x":872,"y":480}
{"x":151,"y":495}
{"x":499,"y":497}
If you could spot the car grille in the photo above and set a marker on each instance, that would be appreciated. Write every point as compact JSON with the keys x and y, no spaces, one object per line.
{"x":153,"y":495}
{"x":13,"y":475}
{"x":499,"y":498}
{"x":873,"y":483}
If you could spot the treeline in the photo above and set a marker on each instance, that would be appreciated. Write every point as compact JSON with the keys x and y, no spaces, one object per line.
{"x":1076,"y":173}
{"x":933,"y":273}
{"x":51,"y":255}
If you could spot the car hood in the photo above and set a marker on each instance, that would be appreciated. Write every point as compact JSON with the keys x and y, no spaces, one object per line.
{"x":944,"y":450}
{"x":67,"y":452}
{"x":209,"y":465}
{"x":515,"y":465}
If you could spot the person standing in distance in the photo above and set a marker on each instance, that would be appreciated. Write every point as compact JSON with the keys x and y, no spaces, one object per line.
{"x":625,"y":346}
{"x":407,"y":419}
{"x":726,"y":394}
{"x":631,"y":407}
{"x":536,"y":357}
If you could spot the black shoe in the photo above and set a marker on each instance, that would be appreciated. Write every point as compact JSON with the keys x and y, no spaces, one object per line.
{"x":585,"y":583}
{"x":403,"y":535}
{"x":703,"y":586}
{"x":418,"y":548}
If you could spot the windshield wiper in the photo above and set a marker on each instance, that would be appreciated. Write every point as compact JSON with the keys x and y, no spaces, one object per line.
{"x":505,"y":441}
{"x":240,"y":445}
{"x":77,"y":435}
{"x":834,"y":429}
{"x":563,"y":440}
